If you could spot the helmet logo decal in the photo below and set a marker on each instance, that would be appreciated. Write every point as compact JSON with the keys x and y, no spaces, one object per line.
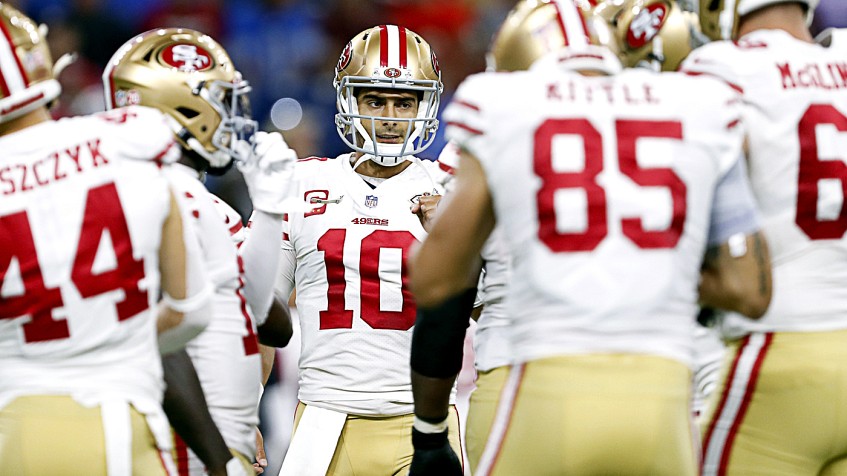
{"x":344,"y":60}
{"x":186,"y":57}
{"x":435,"y":66}
{"x":646,"y":25}
{"x":392,"y":72}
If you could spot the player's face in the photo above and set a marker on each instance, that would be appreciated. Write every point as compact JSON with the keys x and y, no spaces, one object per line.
{"x":386,"y":103}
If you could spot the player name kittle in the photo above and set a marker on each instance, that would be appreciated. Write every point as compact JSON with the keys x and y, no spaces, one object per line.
{"x":57,"y":166}
{"x":634,"y":94}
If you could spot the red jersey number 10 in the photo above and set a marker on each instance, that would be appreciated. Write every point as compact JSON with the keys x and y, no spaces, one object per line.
{"x":337,"y":315}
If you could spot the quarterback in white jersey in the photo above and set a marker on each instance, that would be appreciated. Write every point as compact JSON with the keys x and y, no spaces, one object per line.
{"x":345,"y":246}
{"x":226,"y":355}
{"x":90,"y":234}
{"x":609,"y":187}
{"x":346,"y":257}
{"x":786,"y":371}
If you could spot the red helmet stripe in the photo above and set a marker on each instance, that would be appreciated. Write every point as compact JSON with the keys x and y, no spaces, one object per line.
{"x":383,"y":46}
{"x":559,"y":21}
{"x":392,"y":46}
{"x":572,"y":23}
{"x":4,"y":88}
{"x":12,"y":77}
{"x":402,"y":46}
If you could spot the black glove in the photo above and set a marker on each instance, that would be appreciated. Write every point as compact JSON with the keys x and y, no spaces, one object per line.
{"x":433,"y":455}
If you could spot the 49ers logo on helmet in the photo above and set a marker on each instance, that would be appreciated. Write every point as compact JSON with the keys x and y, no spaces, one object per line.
{"x":187,"y":57}
{"x":646,"y":25}
{"x":435,"y":65}
{"x":344,"y":59}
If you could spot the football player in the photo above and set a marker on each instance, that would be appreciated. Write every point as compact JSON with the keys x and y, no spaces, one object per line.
{"x":659,"y":34}
{"x":344,"y":251}
{"x":490,"y":338}
{"x":610,"y":187}
{"x":189,"y":76}
{"x":776,"y":410}
{"x":90,"y":234}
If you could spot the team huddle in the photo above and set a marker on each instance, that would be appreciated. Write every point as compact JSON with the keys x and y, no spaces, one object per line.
{"x":641,"y":204}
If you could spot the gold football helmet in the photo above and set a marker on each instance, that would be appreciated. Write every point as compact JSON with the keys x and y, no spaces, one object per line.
{"x":652,"y":33}
{"x":391,"y":57}
{"x":26,"y":67}
{"x":719,"y":18}
{"x":188,"y":76}
{"x":535,"y":28}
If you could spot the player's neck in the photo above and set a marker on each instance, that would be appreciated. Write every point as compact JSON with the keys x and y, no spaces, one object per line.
{"x":788,"y":17}
{"x":372,"y":169}
{"x":27,"y":120}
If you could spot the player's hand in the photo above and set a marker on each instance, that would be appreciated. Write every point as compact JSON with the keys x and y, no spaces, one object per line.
{"x":269,"y":172}
{"x":261,"y":460}
{"x":433,"y":455}
{"x":425,"y":208}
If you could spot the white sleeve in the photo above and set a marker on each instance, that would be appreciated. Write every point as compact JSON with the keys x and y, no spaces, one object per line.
{"x":285,"y":274}
{"x":734,"y":208}
{"x":196,"y":307}
{"x":260,"y":253}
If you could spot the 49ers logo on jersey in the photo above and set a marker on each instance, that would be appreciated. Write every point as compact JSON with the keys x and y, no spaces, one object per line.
{"x":646,"y":25}
{"x":344,"y":59}
{"x":370,"y":221}
{"x":186,"y":57}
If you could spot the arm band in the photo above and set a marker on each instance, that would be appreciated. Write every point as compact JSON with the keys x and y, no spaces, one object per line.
{"x":189,"y":304}
{"x":427,"y":427}
{"x":439,"y":336}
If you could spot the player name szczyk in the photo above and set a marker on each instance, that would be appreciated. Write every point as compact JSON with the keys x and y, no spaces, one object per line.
{"x":53,"y":168}
{"x":813,"y":75}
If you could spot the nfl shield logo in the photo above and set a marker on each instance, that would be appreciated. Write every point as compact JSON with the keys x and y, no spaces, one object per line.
{"x":371,"y":200}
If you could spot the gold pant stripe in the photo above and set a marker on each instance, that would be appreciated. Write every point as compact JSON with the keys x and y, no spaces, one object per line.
{"x":735,"y":399}
{"x":505,"y":409}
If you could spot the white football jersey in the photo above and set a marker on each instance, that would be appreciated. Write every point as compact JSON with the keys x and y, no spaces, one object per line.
{"x":491,"y":340}
{"x":345,"y":251}
{"x":226,"y":353}
{"x":491,"y":337}
{"x":82,"y":204}
{"x":603,"y":188}
{"x":795,"y":114}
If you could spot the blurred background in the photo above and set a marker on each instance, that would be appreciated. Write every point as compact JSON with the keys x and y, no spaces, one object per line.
{"x":287,"y":49}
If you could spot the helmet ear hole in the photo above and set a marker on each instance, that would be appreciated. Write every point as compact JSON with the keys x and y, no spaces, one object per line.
{"x":187,"y":113}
